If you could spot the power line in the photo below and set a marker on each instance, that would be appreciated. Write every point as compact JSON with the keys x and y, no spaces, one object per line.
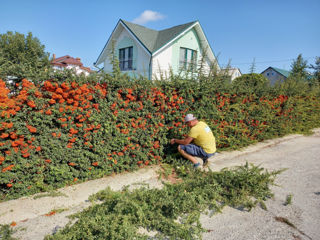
{"x":284,"y":60}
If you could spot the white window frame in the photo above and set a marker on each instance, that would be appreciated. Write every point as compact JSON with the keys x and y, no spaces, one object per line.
{"x":126,"y":58}
{"x":187,"y":59}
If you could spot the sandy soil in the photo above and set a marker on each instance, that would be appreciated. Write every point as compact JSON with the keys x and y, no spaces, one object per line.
{"x":299,"y":154}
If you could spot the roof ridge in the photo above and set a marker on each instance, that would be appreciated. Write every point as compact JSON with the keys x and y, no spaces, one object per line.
{"x":140,"y":32}
{"x":138,"y":25}
{"x":189,"y":23}
{"x":167,"y":35}
{"x":60,"y":58}
{"x":284,"y":72}
{"x":180,"y":25}
{"x":280,"y":69}
{"x":155,"y":39}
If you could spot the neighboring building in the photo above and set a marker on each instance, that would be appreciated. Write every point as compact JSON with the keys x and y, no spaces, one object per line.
{"x":232,"y":72}
{"x":67,"y":62}
{"x":151,"y":53}
{"x":275,"y":74}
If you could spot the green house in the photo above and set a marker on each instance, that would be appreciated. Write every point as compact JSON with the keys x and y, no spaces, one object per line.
{"x":155,"y":54}
{"x":275,"y":74}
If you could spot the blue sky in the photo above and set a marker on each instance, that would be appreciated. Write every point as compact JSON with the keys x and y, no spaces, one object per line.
{"x":272,"y":32}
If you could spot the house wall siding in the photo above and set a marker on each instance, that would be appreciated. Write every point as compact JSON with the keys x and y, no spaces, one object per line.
{"x":189,"y":40}
{"x":161,"y":63}
{"x":273,"y":76}
{"x":76,"y":68}
{"x":169,"y":58}
{"x":233,"y":73}
{"x":126,"y":42}
{"x":141,"y":58}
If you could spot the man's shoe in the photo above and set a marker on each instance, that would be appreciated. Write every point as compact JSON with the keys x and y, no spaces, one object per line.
{"x":205,"y":162}
{"x":196,"y":165}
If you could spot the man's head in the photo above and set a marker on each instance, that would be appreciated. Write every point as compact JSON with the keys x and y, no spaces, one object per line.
{"x":190,"y":120}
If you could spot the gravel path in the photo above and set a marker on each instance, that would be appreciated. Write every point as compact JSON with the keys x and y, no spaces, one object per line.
{"x":299,"y":154}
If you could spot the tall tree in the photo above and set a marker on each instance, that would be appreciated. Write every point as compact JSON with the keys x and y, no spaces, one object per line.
{"x":316,"y":69}
{"x":253,"y":66}
{"x":21,"y":56}
{"x":299,"y":68}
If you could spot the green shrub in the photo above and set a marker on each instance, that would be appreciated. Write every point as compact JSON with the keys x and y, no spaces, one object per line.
{"x":172,"y":212}
{"x":70,"y":129}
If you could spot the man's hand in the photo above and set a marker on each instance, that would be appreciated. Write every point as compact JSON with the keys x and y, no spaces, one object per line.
{"x":185,"y":141}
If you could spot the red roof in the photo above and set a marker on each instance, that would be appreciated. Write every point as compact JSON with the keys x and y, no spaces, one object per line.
{"x":67,"y":60}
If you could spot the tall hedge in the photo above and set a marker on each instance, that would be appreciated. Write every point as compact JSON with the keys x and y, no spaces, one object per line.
{"x":67,"y":131}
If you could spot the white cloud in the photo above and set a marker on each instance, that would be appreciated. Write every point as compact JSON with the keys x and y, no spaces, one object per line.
{"x":148,"y":16}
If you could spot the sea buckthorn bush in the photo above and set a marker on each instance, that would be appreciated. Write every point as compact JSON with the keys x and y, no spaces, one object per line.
{"x":68,"y":130}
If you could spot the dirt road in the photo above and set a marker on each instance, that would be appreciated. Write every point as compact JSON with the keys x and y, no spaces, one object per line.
{"x":298,"y":220}
{"x":300,"y":155}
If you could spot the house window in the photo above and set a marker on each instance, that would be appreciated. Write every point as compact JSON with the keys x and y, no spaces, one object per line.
{"x":125,"y":58}
{"x":188,"y":59}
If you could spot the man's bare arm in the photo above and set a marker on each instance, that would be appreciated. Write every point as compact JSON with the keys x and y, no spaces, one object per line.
{"x":185,"y":141}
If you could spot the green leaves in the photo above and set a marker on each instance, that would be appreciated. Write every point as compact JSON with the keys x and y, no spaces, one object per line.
{"x":22,"y":56}
{"x":71,"y":129}
{"x":171,"y":212}
{"x":6,"y":232}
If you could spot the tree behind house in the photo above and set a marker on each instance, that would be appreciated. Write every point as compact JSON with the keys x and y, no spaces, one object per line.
{"x":316,"y":68}
{"x":22,"y":57}
{"x":298,"y":68}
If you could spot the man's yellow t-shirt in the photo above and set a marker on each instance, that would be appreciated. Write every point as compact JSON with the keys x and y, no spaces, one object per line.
{"x":203,"y":137}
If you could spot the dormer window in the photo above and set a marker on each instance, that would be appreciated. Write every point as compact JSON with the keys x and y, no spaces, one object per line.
{"x":125,"y":58}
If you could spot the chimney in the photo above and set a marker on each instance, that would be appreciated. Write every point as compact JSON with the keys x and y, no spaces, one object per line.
{"x":78,"y":59}
{"x":53,"y":57}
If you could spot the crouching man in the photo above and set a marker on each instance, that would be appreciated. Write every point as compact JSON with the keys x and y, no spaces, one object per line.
{"x":200,"y":141}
